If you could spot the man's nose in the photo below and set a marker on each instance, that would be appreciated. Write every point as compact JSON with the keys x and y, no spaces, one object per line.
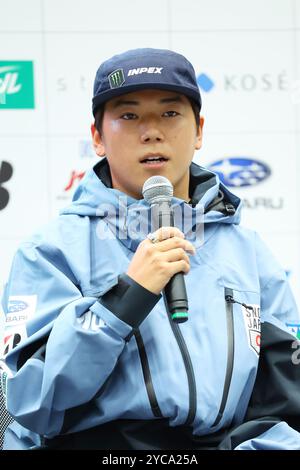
{"x":151,"y":133}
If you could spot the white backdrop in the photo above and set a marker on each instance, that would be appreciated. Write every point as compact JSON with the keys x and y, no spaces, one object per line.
{"x":246,"y":55}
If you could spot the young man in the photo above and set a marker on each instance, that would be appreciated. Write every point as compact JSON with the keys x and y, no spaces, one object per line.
{"x":100,"y":364}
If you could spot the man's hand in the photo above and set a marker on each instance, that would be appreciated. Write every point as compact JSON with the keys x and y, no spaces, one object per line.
{"x":153,"y":264}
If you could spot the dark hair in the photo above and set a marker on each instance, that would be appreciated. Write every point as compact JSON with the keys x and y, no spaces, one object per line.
{"x":196,"y":109}
{"x":99,"y":118}
{"x":100,"y":113}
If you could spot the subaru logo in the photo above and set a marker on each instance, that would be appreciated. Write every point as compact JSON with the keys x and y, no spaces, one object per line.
{"x":205,"y":82}
{"x":240,"y":171}
{"x":16,"y":306}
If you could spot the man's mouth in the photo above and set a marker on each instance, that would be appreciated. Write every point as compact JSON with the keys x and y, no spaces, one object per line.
{"x":154,"y":159}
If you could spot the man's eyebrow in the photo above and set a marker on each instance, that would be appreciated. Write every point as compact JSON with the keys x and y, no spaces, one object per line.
{"x":124,"y":102}
{"x":172,"y":99}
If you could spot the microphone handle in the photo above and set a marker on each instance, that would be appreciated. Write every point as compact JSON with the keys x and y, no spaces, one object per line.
{"x":175,"y":291}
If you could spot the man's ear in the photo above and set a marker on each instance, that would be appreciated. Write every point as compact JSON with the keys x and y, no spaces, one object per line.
{"x":199,"y":134}
{"x":98,"y":143}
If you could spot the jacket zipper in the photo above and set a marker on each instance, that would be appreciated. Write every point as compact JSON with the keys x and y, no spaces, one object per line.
{"x":230,"y":352}
{"x":188,"y":369}
{"x":229,"y":298}
{"x":147,"y":375}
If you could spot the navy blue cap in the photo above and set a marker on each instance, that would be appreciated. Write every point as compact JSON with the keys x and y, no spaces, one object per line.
{"x":138,"y":69}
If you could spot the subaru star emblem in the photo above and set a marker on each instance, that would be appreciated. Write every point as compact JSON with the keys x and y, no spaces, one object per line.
{"x":16,"y":306}
{"x":240,"y":171}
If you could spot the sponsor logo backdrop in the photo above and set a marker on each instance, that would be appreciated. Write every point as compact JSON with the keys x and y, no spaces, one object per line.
{"x":246,"y":55}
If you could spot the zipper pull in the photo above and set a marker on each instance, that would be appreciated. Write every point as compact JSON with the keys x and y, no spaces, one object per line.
{"x":229,"y":298}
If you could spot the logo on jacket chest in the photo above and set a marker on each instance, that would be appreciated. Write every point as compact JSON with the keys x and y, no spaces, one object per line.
{"x":251,"y":315}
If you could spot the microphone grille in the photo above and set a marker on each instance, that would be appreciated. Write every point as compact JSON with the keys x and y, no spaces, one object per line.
{"x":156,"y":189}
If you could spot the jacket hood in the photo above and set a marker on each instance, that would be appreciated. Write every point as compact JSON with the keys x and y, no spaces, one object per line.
{"x":211,"y":203}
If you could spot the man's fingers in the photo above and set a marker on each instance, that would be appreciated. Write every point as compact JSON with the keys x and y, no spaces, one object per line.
{"x":175,"y":255}
{"x":173,"y":243}
{"x":164,"y":233}
{"x":179,"y":266}
{"x":168,"y":238}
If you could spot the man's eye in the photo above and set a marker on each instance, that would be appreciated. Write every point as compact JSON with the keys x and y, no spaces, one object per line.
{"x":171,"y":113}
{"x":128,"y":116}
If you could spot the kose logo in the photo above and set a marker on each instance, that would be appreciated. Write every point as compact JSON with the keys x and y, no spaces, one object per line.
{"x":251,"y":82}
{"x":205,"y":82}
{"x":6,"y":171}
{"x":246,"y":82}
{"x":240,"y":171}
{"x":16,"y":85}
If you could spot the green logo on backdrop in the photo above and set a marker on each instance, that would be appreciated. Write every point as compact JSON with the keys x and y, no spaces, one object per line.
{"x":16,"y":85}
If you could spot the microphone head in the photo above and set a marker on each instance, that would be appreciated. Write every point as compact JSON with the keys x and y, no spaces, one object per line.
{"x":157,"y":189}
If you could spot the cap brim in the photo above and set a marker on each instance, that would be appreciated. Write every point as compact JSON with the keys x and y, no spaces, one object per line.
{"x":114,"y":92}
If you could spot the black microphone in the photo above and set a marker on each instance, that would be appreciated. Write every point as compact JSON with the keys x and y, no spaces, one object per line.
{"x":158,"y":192}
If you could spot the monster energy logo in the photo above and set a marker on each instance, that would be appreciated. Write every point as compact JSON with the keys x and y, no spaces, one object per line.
{"x":116,"y":78}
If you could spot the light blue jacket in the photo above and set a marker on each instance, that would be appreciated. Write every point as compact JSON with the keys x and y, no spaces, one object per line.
{"x":200,"y":373}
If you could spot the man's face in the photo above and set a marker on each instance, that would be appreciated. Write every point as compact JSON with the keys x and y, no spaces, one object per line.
{"x":139,"y":126}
